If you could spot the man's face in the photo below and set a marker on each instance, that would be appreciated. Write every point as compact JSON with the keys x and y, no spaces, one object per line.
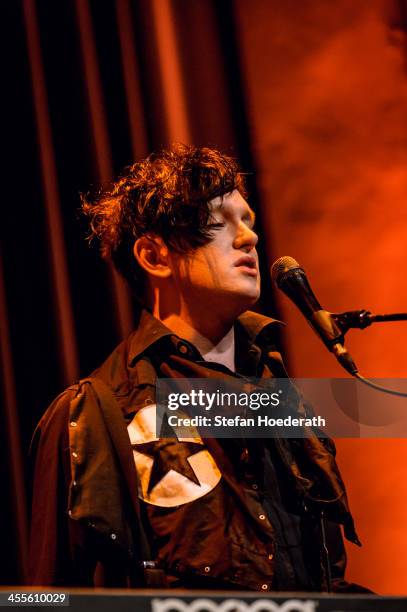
{"x":223,"y":274}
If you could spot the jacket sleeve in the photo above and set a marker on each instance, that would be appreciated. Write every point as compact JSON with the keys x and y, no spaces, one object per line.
{"x":59,"y":554}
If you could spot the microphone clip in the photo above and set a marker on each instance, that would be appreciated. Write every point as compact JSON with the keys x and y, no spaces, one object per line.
{"x":360,"y":319}
{"x":353,"y":319}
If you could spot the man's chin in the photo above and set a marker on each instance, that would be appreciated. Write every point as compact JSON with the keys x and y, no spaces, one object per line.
{"x":246,"y":300}
{"x":232,"y":300}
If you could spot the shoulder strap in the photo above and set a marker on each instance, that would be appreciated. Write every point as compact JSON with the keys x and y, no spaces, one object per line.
{"x":116,"y":427}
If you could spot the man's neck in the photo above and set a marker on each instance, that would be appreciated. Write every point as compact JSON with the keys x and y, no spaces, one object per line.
{"x":224,"y":351}
{"x":221,"y":350}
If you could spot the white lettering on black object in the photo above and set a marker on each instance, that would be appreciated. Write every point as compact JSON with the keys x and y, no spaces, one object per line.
{"x":232,"y":605}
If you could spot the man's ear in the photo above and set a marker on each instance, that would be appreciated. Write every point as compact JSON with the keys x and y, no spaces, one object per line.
{"x":153,"y":256}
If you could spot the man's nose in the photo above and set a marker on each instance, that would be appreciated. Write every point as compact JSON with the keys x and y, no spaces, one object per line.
{"x":246,"y":238}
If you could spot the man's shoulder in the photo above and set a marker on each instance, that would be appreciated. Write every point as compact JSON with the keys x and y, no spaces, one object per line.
{"x":129,"y":364}
{"x":112,"y":373}
{"x":123,"y":371}
{"x":51,"y":430}
{"x":127,"y":375}
{"x":59,"y":407}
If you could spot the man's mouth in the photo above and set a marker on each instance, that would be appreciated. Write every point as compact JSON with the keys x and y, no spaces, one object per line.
{"x":247,"y":264}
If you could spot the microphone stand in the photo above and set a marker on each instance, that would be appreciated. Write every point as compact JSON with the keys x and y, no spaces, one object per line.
{"x":360,"y":319}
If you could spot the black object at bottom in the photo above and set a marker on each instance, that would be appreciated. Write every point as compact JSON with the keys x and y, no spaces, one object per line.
{"x":143,"y":600}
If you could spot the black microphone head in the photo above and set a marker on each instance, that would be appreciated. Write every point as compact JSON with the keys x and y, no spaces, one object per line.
{"x":281,"y":266}
{"x":291,"y":279}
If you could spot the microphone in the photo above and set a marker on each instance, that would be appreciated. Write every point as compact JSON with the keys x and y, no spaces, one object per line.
{"x":292,"y":280}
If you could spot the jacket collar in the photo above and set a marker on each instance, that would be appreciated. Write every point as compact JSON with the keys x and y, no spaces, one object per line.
{"x":150,"y":330}
{"x":253,"y":324}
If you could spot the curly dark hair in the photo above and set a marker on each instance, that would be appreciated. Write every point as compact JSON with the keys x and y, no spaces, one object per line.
{"x":167,"y":195}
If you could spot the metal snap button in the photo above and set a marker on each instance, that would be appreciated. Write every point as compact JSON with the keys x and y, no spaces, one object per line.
{"x":244,"y":455}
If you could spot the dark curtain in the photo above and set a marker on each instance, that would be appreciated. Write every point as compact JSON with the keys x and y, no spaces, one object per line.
{"x":89,"y":86}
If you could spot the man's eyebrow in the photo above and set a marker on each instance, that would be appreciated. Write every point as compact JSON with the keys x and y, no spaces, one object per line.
{"x":249,"y":213}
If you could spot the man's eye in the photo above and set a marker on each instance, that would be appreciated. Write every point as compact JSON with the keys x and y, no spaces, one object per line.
{"x":215,"y":225}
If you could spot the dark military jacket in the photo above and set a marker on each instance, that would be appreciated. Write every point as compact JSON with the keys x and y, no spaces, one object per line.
{"x":240,"y":519}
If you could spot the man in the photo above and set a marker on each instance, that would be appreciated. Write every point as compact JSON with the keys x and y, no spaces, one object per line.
{"x":117,"y":505}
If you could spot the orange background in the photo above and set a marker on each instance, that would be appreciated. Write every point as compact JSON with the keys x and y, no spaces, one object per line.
{"x":327,"y":94}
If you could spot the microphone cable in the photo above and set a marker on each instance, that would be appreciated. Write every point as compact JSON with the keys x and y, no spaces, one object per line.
{"x":369,"y":383}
